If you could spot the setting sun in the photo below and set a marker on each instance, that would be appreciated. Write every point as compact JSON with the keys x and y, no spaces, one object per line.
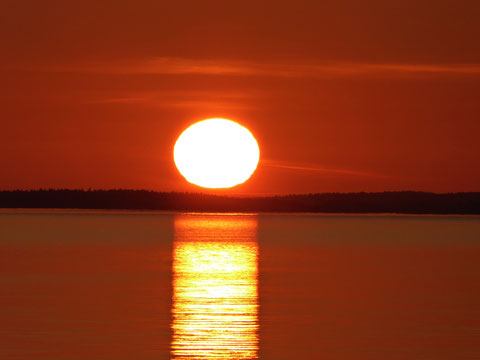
{"x":216,"y":153}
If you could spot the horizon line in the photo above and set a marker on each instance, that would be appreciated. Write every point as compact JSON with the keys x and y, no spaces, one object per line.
{"x":243,"y":195}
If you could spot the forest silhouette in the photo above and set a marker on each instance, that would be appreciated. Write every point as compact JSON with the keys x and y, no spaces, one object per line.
{"x":407,"y":202}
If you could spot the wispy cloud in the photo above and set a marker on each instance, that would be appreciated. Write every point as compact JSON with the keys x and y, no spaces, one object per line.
{"x":230,"y":99}
{"x":318,"y":169}
{"x":184,"y":66}
{"x":119,"y":100}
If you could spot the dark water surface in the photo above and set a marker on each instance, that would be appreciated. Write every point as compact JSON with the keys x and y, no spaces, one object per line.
{"x":92,"y":285}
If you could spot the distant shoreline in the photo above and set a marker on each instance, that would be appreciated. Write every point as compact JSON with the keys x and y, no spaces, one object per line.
{"x":127,"y":212}
{"x":390,"y":202}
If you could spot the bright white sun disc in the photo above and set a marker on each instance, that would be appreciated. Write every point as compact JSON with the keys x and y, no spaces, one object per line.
{"x":216,"y":153}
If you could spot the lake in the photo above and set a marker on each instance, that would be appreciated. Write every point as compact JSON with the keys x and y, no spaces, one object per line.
{"x":144,"y":285}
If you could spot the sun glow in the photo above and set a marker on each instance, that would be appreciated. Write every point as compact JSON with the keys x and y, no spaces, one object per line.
{"x":216,"y":153}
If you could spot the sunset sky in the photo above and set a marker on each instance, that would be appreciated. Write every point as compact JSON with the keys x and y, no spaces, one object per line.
{"x":341,"y":95}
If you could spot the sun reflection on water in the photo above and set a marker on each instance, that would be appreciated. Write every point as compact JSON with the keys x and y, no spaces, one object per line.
{"x":215,"y":287}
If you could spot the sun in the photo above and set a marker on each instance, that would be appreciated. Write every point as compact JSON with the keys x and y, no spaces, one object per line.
{"x":216,"y":153}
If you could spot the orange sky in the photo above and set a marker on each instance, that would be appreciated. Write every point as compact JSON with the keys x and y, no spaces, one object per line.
{"x":341,"y":95}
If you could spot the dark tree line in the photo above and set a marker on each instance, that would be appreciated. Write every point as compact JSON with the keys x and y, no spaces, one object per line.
{"x":409,"y":202}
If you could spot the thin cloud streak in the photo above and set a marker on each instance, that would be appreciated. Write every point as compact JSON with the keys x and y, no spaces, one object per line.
{"x":183,"y":66}
{"x":313,"y":168}
{"x":184,"y":99}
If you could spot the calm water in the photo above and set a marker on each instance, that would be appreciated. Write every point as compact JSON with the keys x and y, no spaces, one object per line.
{"x":159,"y":286}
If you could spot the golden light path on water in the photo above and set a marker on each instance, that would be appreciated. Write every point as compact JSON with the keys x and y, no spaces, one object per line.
{"x":215,"y":287}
